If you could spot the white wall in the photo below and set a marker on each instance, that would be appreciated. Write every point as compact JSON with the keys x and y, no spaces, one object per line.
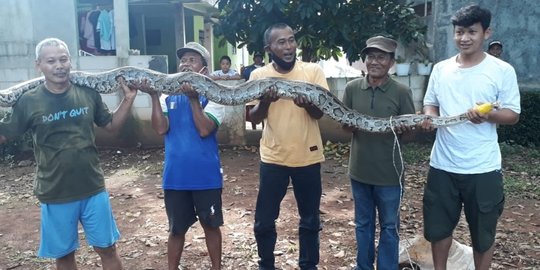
{"x":23,"y":23}
{"x":16,"y":46}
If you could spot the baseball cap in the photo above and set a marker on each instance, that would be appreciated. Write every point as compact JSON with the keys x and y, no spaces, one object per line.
{"x":382,"y":43}
{"x":194,"y":47}
{"x":495,"y":42}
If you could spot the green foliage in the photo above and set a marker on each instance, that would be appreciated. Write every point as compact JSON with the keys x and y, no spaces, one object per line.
{"x":401,"y":60}
{"x":520,"y":151}
{"x":414,"y":153}
{"x":325,"y":28}
{"x":521,"y":170}
{"x":422,"y":53}
{"x":521,"y":187}
{"x":521,"y":166}
{"x":527,"y":131}
{"x":13,"y":148}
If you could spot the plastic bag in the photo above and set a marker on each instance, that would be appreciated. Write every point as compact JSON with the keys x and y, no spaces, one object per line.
{"x":418,"y":251}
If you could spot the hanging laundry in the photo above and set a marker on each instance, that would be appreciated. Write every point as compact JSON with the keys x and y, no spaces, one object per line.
{"x":88,"y":31}
{"x":105,"y":29}
{"x":93,"y":18}
{"x":113,"y":34}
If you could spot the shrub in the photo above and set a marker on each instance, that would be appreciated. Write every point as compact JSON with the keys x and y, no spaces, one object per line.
{"x":15,"y":147}
{"x":527,"y":131}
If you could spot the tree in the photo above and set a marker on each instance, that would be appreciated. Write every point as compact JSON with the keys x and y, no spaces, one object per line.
{"x":325,"y":28}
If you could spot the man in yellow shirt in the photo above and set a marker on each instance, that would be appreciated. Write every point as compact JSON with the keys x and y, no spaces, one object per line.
{"x":291,"y":148}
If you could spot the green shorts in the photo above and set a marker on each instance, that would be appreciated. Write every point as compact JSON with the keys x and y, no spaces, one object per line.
{"x":481,"y":195}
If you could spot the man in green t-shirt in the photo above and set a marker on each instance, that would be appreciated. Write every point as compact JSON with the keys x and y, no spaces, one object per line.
{"x":69,"y":180}
{"x":374,"y":165}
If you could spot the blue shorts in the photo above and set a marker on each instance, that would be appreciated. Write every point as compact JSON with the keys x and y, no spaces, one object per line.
{"x":59,"y":225}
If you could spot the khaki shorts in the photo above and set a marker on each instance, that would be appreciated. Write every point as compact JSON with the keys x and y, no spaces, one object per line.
{"x":481,"y":195}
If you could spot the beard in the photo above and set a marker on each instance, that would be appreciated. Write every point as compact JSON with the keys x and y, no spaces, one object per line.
{"x":281,"y":63}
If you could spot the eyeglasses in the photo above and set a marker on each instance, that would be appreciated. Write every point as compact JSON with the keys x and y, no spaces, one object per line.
{"x":190,"y":60}
{"x":377,"y":57}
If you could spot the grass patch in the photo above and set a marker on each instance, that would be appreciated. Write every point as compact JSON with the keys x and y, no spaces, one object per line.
{"x":416,"y":152}
{"x":521,"y":166}
{"x":521,"y":187}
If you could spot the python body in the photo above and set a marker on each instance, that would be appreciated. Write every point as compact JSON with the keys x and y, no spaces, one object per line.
{"x":105,"y":83}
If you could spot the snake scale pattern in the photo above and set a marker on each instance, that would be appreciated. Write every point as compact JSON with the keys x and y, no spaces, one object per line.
{"x":105,"y":83}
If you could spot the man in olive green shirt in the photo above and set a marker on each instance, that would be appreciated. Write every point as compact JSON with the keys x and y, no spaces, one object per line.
{"x":374,"y":164}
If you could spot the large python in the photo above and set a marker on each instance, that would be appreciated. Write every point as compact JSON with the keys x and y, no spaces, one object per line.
{"x":105,"y":82}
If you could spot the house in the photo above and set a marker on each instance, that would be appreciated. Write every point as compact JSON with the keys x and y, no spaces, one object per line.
{"x":147,"y":33}
{"x":143,"y":33}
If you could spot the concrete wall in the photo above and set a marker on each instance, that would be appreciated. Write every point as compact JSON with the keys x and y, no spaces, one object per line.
{"x":23,"y":23}
{"x":19,"y":34}
{"x":417,"y":83}
{"x":138,"y":129}
{"x":233,"y":129}
{"x":55,"y":18}
{"x":515,"y":23}
{"x":331,"y":130}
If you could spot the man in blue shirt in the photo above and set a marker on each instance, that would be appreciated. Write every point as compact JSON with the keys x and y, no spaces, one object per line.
{"x":192,"y":177}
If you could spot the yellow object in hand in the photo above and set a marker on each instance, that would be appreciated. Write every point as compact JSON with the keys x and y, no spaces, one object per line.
{"x":484,"y":108}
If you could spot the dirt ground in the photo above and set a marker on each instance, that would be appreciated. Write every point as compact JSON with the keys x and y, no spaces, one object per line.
{"x":134,"y":182}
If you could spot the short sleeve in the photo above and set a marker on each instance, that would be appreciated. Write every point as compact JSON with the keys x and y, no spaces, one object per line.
{"x":216,"y":73}
{"x":254,"y":75}
{"x":215,"y":111}
{"x":103,"y":115}
{"x":406,"y":102}
{"x":346,"y":96}
{"x":430,"y":98}
{"x":509,"y":94}
{"x":163,"y":102}
{"x":319,"y":77}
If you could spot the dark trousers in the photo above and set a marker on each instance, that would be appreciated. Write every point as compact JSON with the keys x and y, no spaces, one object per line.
{"x":273,"y":183}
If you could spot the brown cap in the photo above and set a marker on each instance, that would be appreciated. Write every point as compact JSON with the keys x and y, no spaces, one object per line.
{"x":382,"y":43}
{"x":194,"y":47}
